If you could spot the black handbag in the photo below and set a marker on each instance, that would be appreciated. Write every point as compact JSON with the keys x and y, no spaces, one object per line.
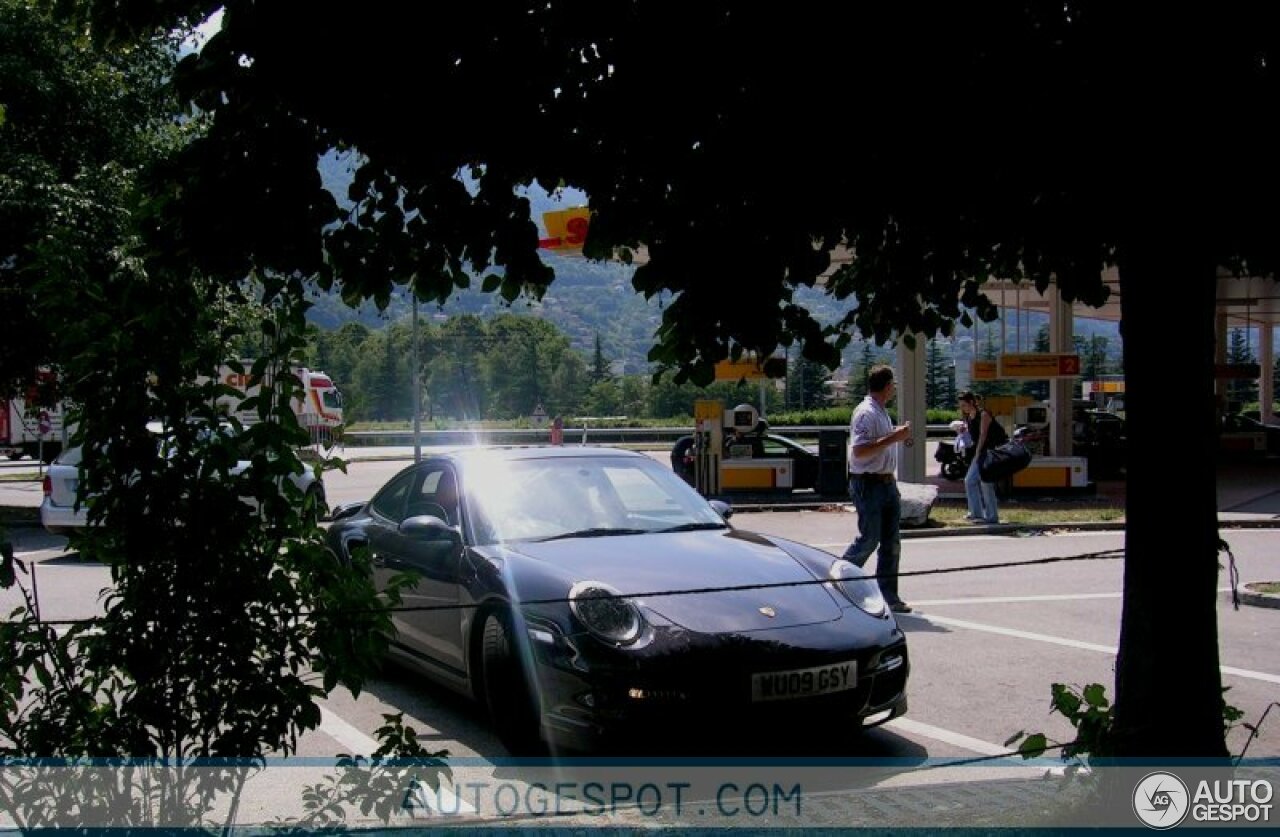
{"x":1004,"y":461}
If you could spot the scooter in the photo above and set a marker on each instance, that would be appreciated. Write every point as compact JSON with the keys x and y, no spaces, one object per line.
{"x":954,"y":465}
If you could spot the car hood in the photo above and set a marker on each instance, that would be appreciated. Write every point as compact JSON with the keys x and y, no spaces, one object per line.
{"x":635,"y":564}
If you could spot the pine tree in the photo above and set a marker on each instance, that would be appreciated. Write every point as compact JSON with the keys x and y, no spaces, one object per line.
{"x":939,"y":380}
{"x":807,"y":381}
{"x":1095,"y":361}
{"x":599,"y":364}
{"x":1275,"y":379}
{"x":859,"y":371}
{"x":1039,"y":390}
{"x":988,"y":351}
{"x":1240,"y":391}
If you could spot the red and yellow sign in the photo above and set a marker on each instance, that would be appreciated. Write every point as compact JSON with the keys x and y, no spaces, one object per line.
{"x":566,"y":228}
{"x":984,"y":370}
{"x":1040,"y":365}
{"x":735,"y":370}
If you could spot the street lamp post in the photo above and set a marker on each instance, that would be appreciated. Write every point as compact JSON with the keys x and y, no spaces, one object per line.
{"x":417,"y":387}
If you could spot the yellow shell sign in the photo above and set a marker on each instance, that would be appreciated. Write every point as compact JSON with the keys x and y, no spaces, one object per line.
{"x":735,"y":370}
{"x":566,"y":228}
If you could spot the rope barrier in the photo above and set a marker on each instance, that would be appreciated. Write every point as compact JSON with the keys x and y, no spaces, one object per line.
{"x":1105,"y":555}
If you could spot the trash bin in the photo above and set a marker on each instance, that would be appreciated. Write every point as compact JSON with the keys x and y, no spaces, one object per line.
{"x":833,"y":468}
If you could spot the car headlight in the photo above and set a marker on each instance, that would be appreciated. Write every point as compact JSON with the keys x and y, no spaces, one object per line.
{"x":854,"y":584}
{"x":601,"y":609}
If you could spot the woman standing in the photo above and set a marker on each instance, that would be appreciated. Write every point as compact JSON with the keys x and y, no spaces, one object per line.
{"x":987,"y":433}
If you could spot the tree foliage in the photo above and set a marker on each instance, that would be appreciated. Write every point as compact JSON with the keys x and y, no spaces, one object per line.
{"x":226,"y":616}
{"x":78,"y":125}
{"x":1025,"y":141}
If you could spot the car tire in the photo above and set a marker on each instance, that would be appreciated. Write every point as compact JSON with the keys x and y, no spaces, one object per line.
{"x":678,"y":454}
{"x":513,"y":709}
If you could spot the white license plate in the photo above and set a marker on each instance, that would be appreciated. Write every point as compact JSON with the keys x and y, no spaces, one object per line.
{"x":804,"y":682}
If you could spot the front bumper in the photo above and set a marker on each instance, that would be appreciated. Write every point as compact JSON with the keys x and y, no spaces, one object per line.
{"x":686,"y":683}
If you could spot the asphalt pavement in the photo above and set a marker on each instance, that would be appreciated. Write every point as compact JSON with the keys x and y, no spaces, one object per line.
{"x":944,"y":797}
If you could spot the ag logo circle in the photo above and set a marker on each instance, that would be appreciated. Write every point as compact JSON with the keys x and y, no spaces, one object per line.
{"x":1161,"y":801}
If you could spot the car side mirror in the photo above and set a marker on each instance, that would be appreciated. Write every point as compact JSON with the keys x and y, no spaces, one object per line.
{"x":722,"y":508}
{"x":345,"y":510}
{"x":428,"y":527}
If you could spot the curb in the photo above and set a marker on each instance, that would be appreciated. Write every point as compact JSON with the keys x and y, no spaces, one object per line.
{"x":1250,"y":597}
{"x":1013,"y":529}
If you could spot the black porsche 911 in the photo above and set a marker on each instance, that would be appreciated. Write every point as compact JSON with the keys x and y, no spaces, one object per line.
{"x":587,"y":594}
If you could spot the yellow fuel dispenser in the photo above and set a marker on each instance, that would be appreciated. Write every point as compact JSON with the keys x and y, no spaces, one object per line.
{"x":729,"y":452}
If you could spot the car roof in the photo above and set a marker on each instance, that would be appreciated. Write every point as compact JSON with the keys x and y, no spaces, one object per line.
{"x":512,"y":453}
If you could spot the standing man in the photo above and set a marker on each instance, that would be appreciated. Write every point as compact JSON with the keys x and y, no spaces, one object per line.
{"x":873,"y":462}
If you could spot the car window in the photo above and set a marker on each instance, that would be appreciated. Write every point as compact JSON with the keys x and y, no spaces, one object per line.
{"x":538,"y":498}
{"x":70,"y":456}
{"x":390,"y":502}
{"x":436,"y":494}
{"x":637,"y":493}
{"x":775,"y":448}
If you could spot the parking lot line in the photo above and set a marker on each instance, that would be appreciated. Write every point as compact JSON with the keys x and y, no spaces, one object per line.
{"x":1063,"y":597}
{"x":1069,"y":643}
{"x":946,"y":736}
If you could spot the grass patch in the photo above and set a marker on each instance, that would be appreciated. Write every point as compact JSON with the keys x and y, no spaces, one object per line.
{"x":1272,"y":587}
{"x":22,"y":476}
{"x":1035,"y":514}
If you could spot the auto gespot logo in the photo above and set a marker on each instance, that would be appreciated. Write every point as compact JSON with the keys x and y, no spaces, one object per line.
{"x":1162,"y":800}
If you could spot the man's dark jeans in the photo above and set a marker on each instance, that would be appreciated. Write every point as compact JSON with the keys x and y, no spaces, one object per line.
{"x":879,"y":507}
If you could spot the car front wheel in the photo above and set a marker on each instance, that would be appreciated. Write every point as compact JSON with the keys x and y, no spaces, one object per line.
{"x":512,"y":706}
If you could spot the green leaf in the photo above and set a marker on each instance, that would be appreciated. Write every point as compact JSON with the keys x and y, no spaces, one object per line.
{"x":491,"y":283}
{"x":1008,"y":742}
{"x":1095,"y":695}
{"x":1033,"y":746}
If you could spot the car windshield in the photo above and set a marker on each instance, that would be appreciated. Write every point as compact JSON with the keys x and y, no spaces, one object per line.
{"x":559,"y":497}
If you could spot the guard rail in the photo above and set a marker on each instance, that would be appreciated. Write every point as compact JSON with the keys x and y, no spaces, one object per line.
{"x":572,"y":435}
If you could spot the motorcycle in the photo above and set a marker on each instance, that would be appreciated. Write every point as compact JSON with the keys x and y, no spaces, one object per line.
{"x":954,"y":465}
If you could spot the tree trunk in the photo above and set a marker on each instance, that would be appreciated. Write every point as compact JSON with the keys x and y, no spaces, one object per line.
{"x":1168,"y":685}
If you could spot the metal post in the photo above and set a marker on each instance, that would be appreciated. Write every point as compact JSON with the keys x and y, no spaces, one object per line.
{"x":417,"y":387}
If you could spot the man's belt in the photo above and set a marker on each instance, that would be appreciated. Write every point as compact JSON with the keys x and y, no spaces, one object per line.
{"x":872,"y":477}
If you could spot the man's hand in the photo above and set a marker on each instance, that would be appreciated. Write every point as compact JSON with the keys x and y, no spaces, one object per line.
{"x":902,"y":433}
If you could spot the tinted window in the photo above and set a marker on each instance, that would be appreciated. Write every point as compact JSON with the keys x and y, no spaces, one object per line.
{"x":391,"y":500}
{"x":436,"y":495}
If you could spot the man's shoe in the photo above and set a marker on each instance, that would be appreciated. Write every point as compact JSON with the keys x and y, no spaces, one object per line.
{"x":900,"y":607}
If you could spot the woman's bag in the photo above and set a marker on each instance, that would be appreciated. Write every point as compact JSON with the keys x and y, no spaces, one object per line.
{"x":1004,"y":461}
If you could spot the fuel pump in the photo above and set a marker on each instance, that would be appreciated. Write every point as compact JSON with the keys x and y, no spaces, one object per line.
{"x":708,"y":441}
